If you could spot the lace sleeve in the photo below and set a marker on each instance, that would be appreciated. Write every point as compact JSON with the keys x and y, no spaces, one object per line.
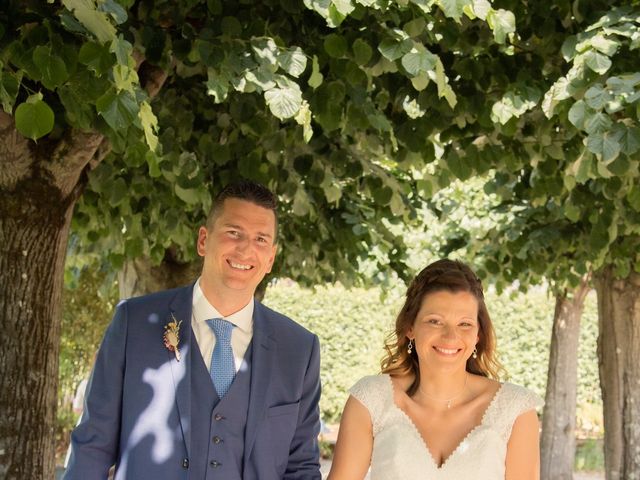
{"x":515,"y":401}
{"x":371,"y":392}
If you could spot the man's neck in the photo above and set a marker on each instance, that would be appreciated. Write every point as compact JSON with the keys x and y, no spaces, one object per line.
{"x":225,"y":301}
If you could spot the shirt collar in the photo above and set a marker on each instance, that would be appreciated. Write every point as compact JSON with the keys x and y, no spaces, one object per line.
{"x":203,"y":311}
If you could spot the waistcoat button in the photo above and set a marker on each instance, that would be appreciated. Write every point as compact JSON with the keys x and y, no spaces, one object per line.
{"x":218,"y":417}
{"x":216,"y":439}
{"x":215,"y":463}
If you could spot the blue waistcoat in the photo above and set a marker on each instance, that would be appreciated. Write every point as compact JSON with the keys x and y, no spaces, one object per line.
{"x":218,"y":426}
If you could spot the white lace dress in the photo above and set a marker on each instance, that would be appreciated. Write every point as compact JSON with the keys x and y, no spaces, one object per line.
{"x":399,"y":452}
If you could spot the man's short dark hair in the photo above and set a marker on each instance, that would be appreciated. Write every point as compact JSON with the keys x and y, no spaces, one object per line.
{"x":249,"y":191}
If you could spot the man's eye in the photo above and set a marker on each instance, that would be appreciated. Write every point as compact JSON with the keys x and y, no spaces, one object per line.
{"x":261,"y":240}
{"x":433,"y":321}
{"x":233,"y":233}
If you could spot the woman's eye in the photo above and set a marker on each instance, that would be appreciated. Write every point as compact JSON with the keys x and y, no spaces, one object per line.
{"x":433,"y":321}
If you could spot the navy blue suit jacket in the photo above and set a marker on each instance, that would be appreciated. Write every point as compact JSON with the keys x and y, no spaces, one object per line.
{"x":138,"y":406}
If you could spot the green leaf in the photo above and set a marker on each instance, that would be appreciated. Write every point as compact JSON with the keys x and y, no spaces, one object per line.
{"x":633,"y":197}
{"x":301,"y":206}
{"x":362,"y":52}
{"x":190,"y":196}
{"x":598,"y":122}
{"x":597,"y":97}
{"x":420,"y":82}
{"x":118,"y":191}
{"x":123,"y":51}
{"x":118,"y":109}
{"x":416,"y":62}
{"x":557,"y":92}
{"x":412,"y":107}
{"x":629,"y":139}
{"x":572,"y":212}
{"x":605,"y":45}
{"x":444,"y":90}
{"x":569,"y":48}
{"x":335,"y":45}
{"x":79,"y":113}
{"x":514,"y":104}
{"x":9,"y":88}
{"x":335,"y":17}
{"x":52,"y":68}
{"x":343,"y":7}
{"x":265,"y":50}
{"x":397,"y":204}
{"x":285,"y":101}
{"x":453,"y":8}
{"x":149,"y":124}
{"x":392,"y":49}
{"x":415,"y":27}
{"x":304,"y":118}
{"x":34,"y":118}
{"x":97,"y":57}
{"x":315,"y":80}
{"x":478,"y":8}
{"x":605,"y":145}
{"x":93,"y":20}
{"x":231,"y":26}
{"x":217,"y":85}
{"x":597,"y":62}
{"x":578,"y":113}
{"x":125,"y":78}
{"x":293,"y":61}
{"x":263,"y":78}
{"x":114,"y":9}
{"x":502,"y":22}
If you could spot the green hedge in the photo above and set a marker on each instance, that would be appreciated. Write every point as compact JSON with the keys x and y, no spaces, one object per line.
{"x":352,"y":325}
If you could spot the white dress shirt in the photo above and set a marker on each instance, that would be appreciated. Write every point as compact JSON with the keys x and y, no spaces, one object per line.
{"x":240,"y":336}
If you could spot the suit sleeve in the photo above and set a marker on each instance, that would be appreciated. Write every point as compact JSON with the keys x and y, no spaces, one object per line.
{"x":94,"y":442}
{"x":304,"y":455}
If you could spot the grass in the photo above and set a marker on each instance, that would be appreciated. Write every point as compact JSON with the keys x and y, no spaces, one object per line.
{"x":589,"y":455}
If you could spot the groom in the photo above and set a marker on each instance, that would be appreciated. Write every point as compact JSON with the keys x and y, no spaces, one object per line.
{"x":204,"y":382}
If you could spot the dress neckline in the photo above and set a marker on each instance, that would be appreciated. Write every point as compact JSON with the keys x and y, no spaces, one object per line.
{"x":414,"y":427}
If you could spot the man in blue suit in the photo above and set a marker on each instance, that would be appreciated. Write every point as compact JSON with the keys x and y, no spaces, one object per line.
{"x":204,"y":382}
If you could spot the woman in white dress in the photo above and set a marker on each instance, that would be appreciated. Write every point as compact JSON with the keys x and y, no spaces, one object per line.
{"x":437,"y":411}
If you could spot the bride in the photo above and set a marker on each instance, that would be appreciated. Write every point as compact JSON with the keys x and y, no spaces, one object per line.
{"x":437,"y":411}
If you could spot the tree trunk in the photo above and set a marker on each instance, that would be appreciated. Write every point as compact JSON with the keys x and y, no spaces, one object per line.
{"x":619,"y":362}
{"x":39,"y":186}
{"x":33,"y":239}
{"x":558,"y":444}
{"x":140,"y":276}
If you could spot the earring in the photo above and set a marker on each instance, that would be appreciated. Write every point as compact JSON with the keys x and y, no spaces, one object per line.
{"x":475,"y":352}
{"x":410,"y":346}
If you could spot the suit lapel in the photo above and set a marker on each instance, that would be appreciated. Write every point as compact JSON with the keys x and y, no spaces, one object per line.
{"x":263,"y":350}
{"x":180,"y":308}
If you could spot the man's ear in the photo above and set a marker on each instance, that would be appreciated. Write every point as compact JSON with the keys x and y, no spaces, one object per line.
{"x":274,"y":250}
{"x":202,"y":241}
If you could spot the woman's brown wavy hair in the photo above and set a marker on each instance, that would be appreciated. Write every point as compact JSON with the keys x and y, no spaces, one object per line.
{"x":442,"y":275}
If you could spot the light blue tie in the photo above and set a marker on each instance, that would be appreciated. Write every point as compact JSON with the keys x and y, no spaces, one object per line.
{"x":223,"y":368}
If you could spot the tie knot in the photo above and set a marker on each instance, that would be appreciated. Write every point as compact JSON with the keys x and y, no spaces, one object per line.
{"x":221,"y":328}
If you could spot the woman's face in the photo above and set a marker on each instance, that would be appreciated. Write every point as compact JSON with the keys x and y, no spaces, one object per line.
{"x":446,"y":328}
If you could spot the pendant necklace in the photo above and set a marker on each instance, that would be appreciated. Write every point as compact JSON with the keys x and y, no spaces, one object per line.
{"x":448,"y":402}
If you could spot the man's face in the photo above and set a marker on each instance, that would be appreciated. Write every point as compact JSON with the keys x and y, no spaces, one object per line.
{"x":239,"y":248}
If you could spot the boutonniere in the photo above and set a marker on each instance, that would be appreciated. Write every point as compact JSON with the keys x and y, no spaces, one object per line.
{"x":171,"y":336}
